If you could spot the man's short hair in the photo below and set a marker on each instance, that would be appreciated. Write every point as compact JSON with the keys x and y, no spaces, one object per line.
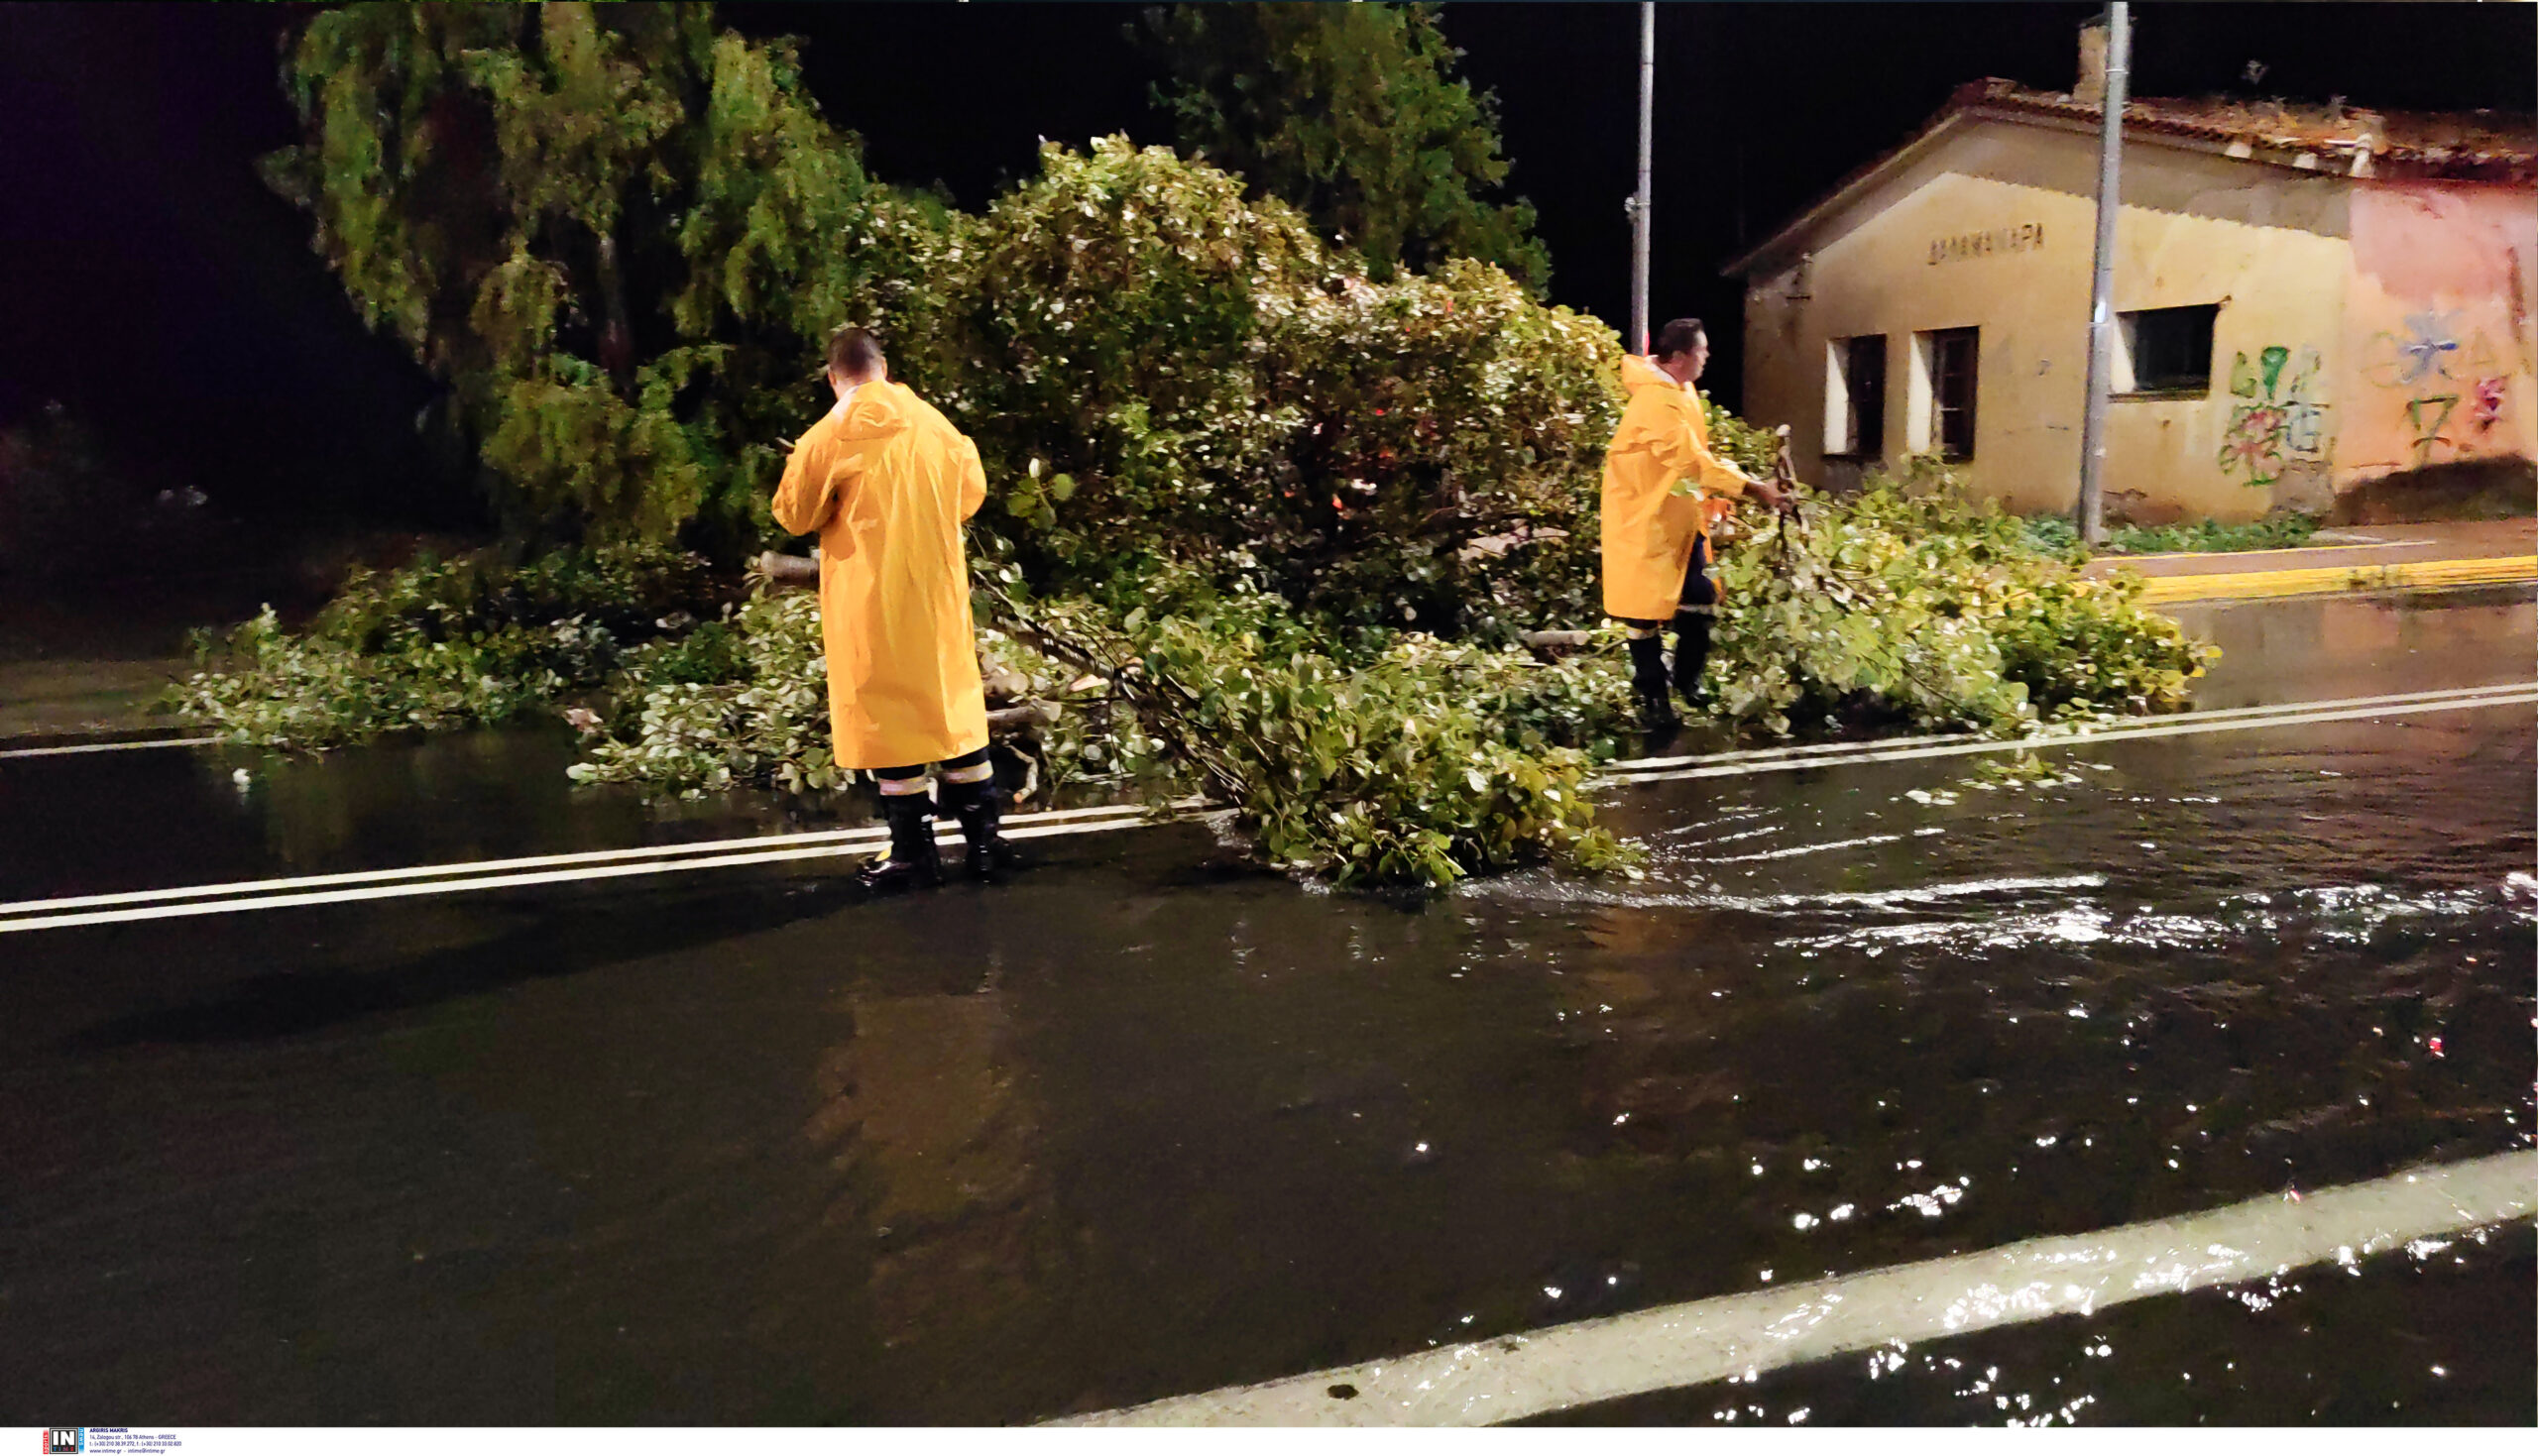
{"x":1679,"y":337}
{"x":854,"y":353}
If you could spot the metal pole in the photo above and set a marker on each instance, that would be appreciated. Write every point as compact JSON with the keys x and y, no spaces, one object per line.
{"x":1640,"y":200}
{"x":2118,"y":52}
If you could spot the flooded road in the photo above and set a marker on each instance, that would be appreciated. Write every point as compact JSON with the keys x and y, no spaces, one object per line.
{"x":741,"y":1146}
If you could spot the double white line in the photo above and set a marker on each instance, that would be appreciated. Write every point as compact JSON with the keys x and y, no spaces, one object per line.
{"x":534,"y":869}
{"x":2208,"y":721}
{"x":599,"y":864}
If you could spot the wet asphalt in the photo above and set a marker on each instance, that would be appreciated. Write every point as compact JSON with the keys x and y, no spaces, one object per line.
{"x":743,"y":1146}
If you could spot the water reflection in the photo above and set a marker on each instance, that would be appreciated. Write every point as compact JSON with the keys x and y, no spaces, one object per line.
{"x":927,"y":1113}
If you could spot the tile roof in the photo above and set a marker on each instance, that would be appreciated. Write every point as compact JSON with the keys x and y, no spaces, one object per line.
{"x":2480,"y":146}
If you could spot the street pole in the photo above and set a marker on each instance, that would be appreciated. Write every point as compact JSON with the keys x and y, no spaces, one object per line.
{"x":2118,"y":52}
{"x":1640,"y":200}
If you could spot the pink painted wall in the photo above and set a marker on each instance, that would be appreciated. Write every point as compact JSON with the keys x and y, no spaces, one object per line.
{"x":2440,"y":359}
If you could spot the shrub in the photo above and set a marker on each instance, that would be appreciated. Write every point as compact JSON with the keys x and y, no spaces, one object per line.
{"x":763,"y":721}
{"x":1918,"y":608}
{"x":1164,"y":371}
{"x":441,"y":644}
{"x":2273,"y":533}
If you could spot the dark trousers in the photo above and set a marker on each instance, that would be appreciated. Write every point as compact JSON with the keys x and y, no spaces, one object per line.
{"x":971,"y":760}
{"x":1694,"y":616}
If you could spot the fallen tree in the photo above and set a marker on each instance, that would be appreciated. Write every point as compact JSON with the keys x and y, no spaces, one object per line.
{"x":1258,"y":525}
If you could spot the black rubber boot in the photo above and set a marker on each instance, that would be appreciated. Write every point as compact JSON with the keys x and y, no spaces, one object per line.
{"x":1647,"y":678}
{"x":914,"y":861}
{"x":1692,"y":654}
{"x":980,"y":808}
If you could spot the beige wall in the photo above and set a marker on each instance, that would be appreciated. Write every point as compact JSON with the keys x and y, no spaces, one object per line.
{"x":2291,"y":367}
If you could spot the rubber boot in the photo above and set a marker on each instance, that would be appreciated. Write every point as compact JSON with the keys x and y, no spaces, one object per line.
{"x":1691,"y":655}
{"x":1648,"y":679}
{"x":914,"y":860}
{"x":980,"y":806}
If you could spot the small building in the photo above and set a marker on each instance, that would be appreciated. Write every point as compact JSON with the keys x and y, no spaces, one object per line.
{"x":2310,"y":300}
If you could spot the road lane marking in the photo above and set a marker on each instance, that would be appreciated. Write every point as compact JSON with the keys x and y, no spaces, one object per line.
{"x":1742,"y":1335}
{"x":104,"y":748}
{"x":2199,"y":715}
{"x":441,"y":879}
{"x":415,"y":888}
{"x":2073,"y":741}
{"x":860,"y":838}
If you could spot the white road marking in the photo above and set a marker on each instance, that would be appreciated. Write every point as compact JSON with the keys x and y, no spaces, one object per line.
{"x":105,"y":748}
{"x":865,"y":836}
{"x":2200,"y":715}
{"x":412,"y":888}
{"x":441,"y":879}
{"x":2054,"y":737}
{"x":2163,"y":730}
{"x":1691,"y":1344}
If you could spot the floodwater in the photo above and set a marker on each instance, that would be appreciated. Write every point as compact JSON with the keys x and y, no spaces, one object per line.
{"x":743,"y":1146}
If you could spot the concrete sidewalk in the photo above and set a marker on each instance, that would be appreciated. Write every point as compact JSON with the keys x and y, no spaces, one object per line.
{"x":2353,"y":559}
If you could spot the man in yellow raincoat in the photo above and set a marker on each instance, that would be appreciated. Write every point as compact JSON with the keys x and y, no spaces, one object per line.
{"x":1655,"y":540}
{"x":886,"y":482}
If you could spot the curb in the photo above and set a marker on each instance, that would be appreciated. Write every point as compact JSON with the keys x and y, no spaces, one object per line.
{"x":2479,"y":571}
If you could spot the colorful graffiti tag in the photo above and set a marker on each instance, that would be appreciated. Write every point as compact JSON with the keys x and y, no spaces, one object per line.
{"x":2423,"y":353}
{"x":2418,"y":362}
{"x":2486,"y":410}
{"x":2277,"y":421}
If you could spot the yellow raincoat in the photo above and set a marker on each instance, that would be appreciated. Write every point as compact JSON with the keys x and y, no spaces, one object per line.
{"x":1649,"y":532}
{"x":886,"y":481}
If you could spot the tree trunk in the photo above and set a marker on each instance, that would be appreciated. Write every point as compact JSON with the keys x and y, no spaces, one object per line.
{"x":616,"y":339}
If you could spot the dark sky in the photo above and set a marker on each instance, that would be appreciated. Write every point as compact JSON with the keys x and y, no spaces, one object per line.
{"x":148,"y":278}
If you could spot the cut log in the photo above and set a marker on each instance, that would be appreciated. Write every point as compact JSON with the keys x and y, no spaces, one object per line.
{"x":1038,"y":713}
{"x":1002,"y":684}
{"x":1554,"y":645}
{"x":789,"y":571}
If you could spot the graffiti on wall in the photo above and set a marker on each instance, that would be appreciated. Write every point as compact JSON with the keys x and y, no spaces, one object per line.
{"x":2278,"y":419}
{"x":2434,"y":373}
{"x":2437,"y":341}
{"x":2486,"y":410}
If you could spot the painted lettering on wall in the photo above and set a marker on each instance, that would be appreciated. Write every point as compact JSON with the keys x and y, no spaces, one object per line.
{"x":2434,"y":374}
{"x":2025,"y":238}
{"x":2276,"y":418}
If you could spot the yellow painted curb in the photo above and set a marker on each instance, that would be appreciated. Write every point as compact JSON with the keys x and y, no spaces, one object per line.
{"x":2395,"y":576}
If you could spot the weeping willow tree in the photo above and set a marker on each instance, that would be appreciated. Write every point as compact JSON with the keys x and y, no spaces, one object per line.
{"x":616,"y":234}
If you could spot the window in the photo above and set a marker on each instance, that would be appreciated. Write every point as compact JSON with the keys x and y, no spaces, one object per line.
{"x":1949,"y":356}
{"x":2167,"y":350}
{"x":1855,"y":397}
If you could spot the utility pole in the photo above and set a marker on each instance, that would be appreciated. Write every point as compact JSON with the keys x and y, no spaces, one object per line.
{"x":1639,"y":201}
{"x":2118,"y":54}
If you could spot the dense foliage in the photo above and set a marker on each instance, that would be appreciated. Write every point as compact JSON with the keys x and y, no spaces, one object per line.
{"x":1352,"y":114}
{"x":610,"y":231}
{"x":1913,"y":608}
{"x":2273,"y":534}
{"x":1262,"y":524}
{"x":2056,"y":533}
{"x":443,"y":645}
{"x":1161,"y":372}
